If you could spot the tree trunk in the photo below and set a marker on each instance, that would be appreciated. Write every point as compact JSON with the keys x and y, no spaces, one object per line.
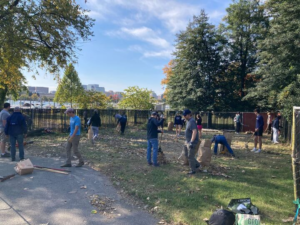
{"x":3,"y":93}
{"x":243,"y":74}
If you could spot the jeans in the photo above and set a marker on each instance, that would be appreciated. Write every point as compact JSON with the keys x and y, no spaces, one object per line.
{"x":152,"y":143}
{"x":95,"y":131}
{"x":222,"y":140}
{"x":19,"y":139}
{"x":123,"y":125}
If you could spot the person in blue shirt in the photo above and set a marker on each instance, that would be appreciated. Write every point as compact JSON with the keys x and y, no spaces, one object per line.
{"x":122,"y":122}
{"x":259,"y":128}
{"x":221,"y":139}
{"x":73,"y":139}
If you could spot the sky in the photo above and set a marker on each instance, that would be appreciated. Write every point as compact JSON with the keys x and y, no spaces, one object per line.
{"x":133,"y":40}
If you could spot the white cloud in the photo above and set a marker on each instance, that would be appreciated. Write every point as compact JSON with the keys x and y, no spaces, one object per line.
{"x":161,"y":54}
{"x":172,"y":14}
{"x":138,"y":19}
{"x":143,"y":33}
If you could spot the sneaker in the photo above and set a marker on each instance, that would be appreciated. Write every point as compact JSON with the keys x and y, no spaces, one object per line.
{"x":80,"y":164}
{"x":156,"y":165}
{"x":258,"y":151}
{"x":150,"y":163}
{"x":276,"y":142}
{"x":66,"y":165}
{"x":233,"y":155}
{"x":191,"y":173}
{"x":253,"y":150}
{"x":5,"y":155}
{"x":13,"y":160}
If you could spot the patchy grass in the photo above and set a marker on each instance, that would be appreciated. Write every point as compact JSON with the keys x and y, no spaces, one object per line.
{"x":180,"y":199}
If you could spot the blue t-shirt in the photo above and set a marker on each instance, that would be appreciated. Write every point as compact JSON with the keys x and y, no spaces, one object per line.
{"x":75,"y":121}
{"x":259,"y":122}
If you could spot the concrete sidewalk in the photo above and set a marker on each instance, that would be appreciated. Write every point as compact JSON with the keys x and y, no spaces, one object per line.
{"x":56,"y":199}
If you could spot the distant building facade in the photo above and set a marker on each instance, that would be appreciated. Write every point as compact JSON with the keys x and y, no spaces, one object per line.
{"x":40,"y":90}
{"x":95,"y":87}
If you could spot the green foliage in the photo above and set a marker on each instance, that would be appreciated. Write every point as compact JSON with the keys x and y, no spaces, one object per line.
{"x":196,"y":66}
{"x":245,"y":24}
{"x":70,"y":87}
{"x":44,"y":33}
{"x":93,"y":100}
{"x":280,"y":52}
{"x":137,"y":98}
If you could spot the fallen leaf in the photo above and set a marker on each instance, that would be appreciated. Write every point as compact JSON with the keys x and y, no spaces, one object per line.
{"x":83,"y":187}
{"x":291,"y":219}
{"x":94,"y":211}
{"x":72,"y":192}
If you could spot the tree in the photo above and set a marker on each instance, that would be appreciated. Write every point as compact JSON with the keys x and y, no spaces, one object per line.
{"x":93,"y":100}
{"x":137,"y":98}
{"x":246,"y":24}
{"x":278,"y":72}
{"x":196,"y":66}
{"x":34,"y":97}
{"x":70,"y":87}
{"x":45,"y":33}
{"x":168,"y":71}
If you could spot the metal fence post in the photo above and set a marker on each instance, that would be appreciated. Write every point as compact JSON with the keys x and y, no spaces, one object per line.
{"x":296,"y":151}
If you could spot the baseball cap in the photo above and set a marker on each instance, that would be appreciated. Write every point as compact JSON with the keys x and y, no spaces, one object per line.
{"x":70,"y":110}
{"x":154,"y":113}
{"x":186,"y":112}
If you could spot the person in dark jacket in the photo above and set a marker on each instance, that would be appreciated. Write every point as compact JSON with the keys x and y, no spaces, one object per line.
{"x":95,"y":122}
{"x":122,"y":122}
{"x":16,"y":128}
{"x":221,"y":139}
{"x":275,"y":129}
{"x":152,"y":138}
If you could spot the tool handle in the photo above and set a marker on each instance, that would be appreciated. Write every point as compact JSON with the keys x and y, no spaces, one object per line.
{"x":7,"y":177}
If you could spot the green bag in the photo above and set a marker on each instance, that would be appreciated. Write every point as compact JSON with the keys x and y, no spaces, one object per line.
{"x":246,"y":219}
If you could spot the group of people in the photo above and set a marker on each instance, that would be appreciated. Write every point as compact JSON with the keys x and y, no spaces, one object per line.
{"x":179,"y":122}
{"x":13,"y":128}
{"x":273,"y":126}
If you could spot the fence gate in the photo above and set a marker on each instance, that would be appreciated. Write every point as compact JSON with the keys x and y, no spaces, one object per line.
{"x":296,"y":151}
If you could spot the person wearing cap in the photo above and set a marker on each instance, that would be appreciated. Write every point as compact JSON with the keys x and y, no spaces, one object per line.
{"x":95,"y":123}
{"x":221,"y":139}
{"x":152,"y":138}
{"x":16,"y":128}
{"x":192,"y":141}
{"x":73,"y":139}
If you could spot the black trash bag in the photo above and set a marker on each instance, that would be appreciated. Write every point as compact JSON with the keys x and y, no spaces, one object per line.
{"x":222,"y":217}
